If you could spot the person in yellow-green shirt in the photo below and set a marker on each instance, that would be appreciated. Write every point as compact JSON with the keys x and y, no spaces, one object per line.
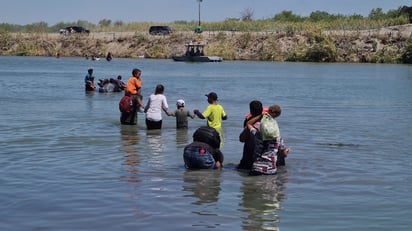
{"x":214,"y":113}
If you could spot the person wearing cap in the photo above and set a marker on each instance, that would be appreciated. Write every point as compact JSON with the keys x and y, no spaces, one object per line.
{"x":214,"y":113}
{"x":181,"y":114}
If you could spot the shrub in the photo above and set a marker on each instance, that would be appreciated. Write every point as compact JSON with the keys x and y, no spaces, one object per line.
{"x":407,"y":55}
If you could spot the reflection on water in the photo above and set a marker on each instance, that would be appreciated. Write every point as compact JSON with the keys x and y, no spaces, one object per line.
{"x":89,"y":100}
{"x":182,"y":138}
{"x":261,"y":200}
{"x":132,"y":159}
{"x":203,"y":184}
{"x":155,"y":146}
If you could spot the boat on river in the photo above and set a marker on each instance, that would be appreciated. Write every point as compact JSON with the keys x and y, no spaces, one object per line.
{"x":195,"y":53}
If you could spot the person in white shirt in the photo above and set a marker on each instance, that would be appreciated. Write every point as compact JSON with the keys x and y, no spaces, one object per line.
{"x":156,"y":103}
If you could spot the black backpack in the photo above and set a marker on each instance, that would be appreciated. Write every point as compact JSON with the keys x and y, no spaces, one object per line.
{"x":207,"y":135}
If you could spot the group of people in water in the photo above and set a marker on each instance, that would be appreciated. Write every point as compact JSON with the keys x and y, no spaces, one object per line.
{"x":105,"y":85}
{"x":109,"y":57}
{"x":264,"y":149}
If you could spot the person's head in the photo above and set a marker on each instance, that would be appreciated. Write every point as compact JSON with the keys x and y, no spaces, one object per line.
{"x":274,"y":111}
{"x":255,"y":108}
{"x":92,"y":79}
{"x":136,"y":72}
{"x":159,"y":89}
{"x":119,"y":77}
{"x":90,"y":71}
{"x":211,"y":97}
{"x":180,"y":103}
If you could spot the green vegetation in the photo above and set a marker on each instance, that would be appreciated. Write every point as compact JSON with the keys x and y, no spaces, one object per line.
{"x":407,"y":55}
{"x":320,"y":37}
{"x":285,"y":21}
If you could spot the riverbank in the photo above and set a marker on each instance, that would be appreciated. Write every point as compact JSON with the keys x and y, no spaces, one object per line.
{"x":385,"y":45}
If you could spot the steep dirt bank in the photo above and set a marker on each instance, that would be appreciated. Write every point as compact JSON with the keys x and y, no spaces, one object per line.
{"x":383,"y":45}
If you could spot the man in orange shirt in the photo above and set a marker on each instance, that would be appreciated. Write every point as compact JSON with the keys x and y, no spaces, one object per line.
{"x":133,"y":86}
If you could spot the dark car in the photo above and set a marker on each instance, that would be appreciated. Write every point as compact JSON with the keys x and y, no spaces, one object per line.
{"x":160,"y":30}
{"x":74,"y":29}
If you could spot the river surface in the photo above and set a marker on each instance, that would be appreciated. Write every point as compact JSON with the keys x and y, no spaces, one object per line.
{"x":66,"y":163}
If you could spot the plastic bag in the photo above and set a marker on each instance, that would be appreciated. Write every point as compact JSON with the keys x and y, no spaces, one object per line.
{"x":269,"y":128}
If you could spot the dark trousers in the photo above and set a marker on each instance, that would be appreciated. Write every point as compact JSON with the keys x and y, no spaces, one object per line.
{"x":129,"y":118}
{"x":151,"y":125}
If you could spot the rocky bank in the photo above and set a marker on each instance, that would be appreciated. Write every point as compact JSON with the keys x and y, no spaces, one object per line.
{"x":383,"y":45}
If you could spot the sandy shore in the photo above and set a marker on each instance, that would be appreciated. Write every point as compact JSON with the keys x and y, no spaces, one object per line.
{"x":380,"y":45}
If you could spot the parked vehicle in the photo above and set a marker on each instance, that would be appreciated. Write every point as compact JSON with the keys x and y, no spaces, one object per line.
{"x":160,"y":30}
{"x":73,"y":29}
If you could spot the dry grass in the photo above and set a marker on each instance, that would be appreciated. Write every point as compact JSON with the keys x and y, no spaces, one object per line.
{"x":312,"y":44}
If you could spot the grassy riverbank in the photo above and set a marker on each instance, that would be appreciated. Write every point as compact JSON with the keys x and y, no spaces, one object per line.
{"x":313,"y":44}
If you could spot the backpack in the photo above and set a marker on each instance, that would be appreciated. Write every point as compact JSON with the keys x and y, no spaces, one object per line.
{"x":269,"y":128}
{"x":126,"y":104}
{"x":207,"y":135}
{"x":198,"y":155}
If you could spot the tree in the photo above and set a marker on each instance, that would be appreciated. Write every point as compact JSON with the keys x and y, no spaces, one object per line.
{"x":118,"y":23}
{"x":287,"y":16}
{"x":247,"y":14}
{"x":376,"y":13}
{"x":105,"y":22}
{"x":37,"y":27}
{"x":407,"y":55}
{"x":319,"y":16}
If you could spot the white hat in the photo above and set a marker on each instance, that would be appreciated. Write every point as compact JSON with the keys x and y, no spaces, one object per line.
{"x":180,"y":103}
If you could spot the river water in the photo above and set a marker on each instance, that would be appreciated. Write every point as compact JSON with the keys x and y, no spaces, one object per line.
{"x":66,"y":163}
